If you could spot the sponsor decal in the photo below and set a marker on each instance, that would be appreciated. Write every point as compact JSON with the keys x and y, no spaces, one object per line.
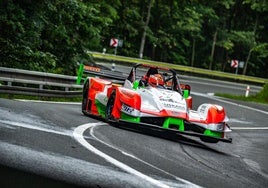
{"x":176,"y":113}
{"x":167,"y":100}
{"x":203,"y":109}
{"x":127,"y":109}
{"x":90,"y":68}
{"x":173,"y":106}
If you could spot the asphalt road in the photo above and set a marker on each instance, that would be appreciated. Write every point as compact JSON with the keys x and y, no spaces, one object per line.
{"x":53,"y":145}
{"x":203,"y":85}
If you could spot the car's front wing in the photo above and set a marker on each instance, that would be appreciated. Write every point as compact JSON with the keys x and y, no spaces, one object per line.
{"x":163,"y":132}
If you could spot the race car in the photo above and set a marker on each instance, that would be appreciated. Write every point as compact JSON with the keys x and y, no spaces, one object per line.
{"x":153,"y":97}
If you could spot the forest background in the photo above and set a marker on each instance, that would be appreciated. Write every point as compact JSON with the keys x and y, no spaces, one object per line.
{"x":56,"y":35}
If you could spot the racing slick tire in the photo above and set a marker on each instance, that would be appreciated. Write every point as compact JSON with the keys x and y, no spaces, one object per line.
{"x":109,"y":108}
{"x":85,"y":97}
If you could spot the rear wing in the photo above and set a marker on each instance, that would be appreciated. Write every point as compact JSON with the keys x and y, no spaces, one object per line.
{"x":94,"y":71}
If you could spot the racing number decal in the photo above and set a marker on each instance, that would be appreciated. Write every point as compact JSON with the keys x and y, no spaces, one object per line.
{"x":127,"y":109}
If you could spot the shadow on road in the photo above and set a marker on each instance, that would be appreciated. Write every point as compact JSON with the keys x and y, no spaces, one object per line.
{"x":11,"y":177}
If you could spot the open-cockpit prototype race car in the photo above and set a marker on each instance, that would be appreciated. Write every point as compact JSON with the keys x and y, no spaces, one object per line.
{"x":152,"y":96}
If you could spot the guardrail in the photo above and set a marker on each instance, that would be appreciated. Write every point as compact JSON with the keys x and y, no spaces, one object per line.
{"x":193,"y":70}
{"x":17,"y":81}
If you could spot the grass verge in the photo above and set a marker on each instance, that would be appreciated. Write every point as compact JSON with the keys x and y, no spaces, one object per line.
{"x":261,"y":97}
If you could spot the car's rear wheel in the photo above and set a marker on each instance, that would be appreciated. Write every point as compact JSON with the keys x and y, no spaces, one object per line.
{"x":85,"y":97}
{"x":109,"y":107}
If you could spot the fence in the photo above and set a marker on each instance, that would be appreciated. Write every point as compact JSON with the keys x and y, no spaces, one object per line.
{"x":16,"y":81}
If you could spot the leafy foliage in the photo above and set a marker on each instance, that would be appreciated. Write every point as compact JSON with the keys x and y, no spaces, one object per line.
{"x":55,"y":35}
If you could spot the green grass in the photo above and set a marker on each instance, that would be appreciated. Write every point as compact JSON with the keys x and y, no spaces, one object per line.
{"x":243,"y":98}
{"x":193,"y":70}
{"x":261,"y":97}
{"x":28,"y":97}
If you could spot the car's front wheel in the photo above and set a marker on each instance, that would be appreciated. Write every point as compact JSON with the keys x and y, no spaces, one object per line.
{"x":85,"y":97}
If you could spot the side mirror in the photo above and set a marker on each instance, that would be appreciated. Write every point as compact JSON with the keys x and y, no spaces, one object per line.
{"x":187,"y":87}
{"x":135,"y":84}
{"x":186,"y":93}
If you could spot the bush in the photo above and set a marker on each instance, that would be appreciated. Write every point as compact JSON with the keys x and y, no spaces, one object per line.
{"x":263,"y":94}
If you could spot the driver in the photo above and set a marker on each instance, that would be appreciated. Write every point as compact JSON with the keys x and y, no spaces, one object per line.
{"x":153,"y":78}
{"x":156,"y":80}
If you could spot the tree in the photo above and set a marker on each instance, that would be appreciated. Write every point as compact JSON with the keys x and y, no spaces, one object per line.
{"x":143,"y":38}
{"x":55,"y":35}
{"x":51,"y":35}
{"x":260,"y":7}
{"x":20,"y":39}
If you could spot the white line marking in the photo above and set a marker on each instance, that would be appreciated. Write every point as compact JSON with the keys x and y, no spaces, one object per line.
{"x":228,"y":86}
{"x":134,"y":157}
{"x":48,"y":129}
{"x":249,"y":128}
{"x":233,"y":120}
{"x":228,"y":102}
{"x":78,"y":135}
{"x":245,"y":123}
{"x":48,"y":102}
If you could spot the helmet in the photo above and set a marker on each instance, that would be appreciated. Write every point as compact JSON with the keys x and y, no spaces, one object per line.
{"x":156,"y":80}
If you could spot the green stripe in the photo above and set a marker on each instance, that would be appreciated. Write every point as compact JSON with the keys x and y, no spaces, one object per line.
{"x":80,"y":74}
{"x":101,"y":108}
{"x":213,"y":133}
{"x":130,"y":118}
